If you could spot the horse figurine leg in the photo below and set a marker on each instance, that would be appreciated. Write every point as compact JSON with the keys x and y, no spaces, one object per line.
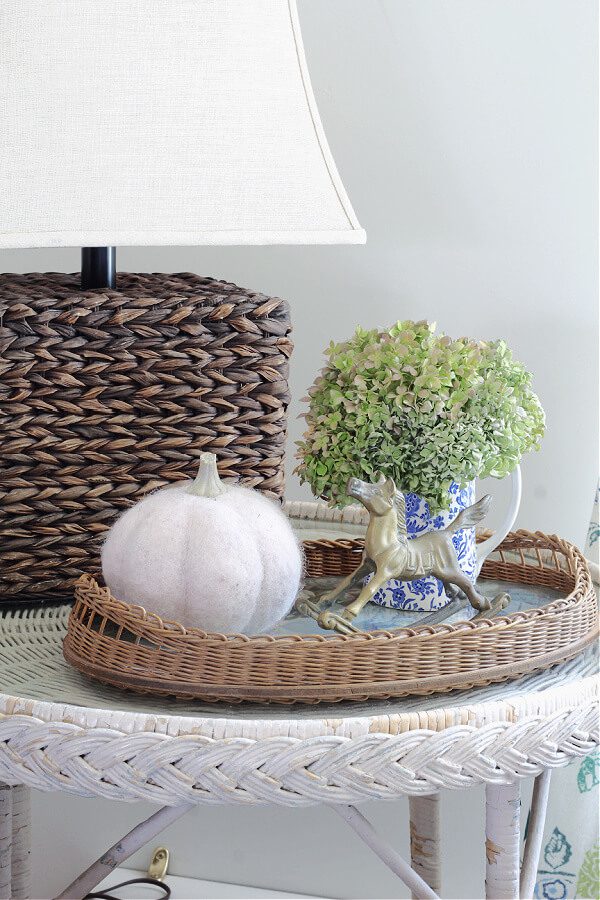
{"x":456,"y":576}
{"x":309,"y":607}
{"x":364,"y":568}
{"x":335,"y":622}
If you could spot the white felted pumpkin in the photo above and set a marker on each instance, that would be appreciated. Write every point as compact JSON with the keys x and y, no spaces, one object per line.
{"x":219,"y":557}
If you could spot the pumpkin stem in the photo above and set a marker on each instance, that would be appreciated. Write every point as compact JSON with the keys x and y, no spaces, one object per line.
{"x":207,"y":482}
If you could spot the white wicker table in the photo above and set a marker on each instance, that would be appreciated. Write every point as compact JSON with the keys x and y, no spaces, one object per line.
{"x":59,"y":731}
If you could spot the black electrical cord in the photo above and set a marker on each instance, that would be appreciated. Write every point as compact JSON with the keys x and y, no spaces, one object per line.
{"x":104,"y":895}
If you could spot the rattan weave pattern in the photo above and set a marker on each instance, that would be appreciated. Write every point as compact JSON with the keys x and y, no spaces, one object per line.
{"x":106,"y":395}
{"x":124,"y":646}
{"x":287,"y":771}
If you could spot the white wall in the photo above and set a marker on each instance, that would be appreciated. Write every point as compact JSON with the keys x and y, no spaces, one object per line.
{"x":309,"y":851}
{"x":465,"y":133}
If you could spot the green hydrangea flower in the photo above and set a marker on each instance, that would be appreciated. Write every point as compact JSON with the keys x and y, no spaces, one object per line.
{"x":419,"y":407}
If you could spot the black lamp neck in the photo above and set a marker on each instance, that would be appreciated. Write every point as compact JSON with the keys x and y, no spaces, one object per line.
{"x":98,"y":267}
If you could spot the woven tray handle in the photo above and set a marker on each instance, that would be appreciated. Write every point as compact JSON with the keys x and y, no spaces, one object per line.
{"x":485,"y":547}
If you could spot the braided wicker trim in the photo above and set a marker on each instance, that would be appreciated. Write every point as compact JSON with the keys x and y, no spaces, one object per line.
{"x":126,"y":646}
{"x":103,"y":762}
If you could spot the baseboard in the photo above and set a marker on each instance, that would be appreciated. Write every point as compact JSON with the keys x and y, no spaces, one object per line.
{"x":190,"y":889}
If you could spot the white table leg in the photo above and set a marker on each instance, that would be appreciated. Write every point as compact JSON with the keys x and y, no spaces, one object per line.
{"x":122,"y":850}
{"x":5,"y":841}
{"x":535,"y":834}
{"x":385,"y":852}
{"x":21,"y":843}
{"x":502,"y":831}
{"x":425,"y":839}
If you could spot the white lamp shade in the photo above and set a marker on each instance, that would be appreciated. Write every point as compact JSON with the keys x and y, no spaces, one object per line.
{"x":162,"y":122}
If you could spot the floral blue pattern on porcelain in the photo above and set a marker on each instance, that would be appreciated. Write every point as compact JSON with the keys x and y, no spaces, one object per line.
{"x":428,"y":593}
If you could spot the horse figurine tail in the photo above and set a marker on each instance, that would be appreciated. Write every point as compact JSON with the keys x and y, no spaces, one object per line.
{"x":471,"y":515}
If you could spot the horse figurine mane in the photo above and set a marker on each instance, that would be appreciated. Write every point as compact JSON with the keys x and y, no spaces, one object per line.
{"x":400,"y":507}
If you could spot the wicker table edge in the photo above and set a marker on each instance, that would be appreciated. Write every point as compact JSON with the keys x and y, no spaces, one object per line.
{"x":337,"y":719}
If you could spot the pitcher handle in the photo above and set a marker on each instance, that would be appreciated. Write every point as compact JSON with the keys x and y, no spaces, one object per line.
{"x":485,"y":547}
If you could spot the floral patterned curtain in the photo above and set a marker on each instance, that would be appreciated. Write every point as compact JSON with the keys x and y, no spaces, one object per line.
{"x":570,"y":859}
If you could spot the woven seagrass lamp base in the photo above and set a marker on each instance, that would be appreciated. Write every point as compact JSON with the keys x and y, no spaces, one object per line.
{"x":108,"y":394}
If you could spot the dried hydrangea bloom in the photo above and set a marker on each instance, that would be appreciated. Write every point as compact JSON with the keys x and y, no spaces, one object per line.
{"x":418,"y":407}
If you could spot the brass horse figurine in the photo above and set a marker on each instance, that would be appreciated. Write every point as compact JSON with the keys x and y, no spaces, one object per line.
{"x":389,"y":553}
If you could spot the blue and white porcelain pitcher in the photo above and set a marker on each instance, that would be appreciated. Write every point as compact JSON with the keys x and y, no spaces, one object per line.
{"x":428,"y":593}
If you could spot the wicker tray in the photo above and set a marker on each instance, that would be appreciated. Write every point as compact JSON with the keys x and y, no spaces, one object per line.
{"x":127,"y":647}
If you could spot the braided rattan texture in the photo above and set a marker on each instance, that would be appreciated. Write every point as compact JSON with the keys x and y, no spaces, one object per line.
{"x":287,"y":771}
{"x":106,"y":395}
{"x":125,"y":646}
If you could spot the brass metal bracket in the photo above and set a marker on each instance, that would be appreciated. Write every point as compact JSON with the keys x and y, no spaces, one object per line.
{"x":159,"y":864}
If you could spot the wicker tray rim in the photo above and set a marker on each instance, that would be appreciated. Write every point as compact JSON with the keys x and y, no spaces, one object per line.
{"x":135,"y":615}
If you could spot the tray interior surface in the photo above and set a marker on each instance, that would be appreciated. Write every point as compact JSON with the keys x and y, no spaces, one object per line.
{"x":377,"y":618}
